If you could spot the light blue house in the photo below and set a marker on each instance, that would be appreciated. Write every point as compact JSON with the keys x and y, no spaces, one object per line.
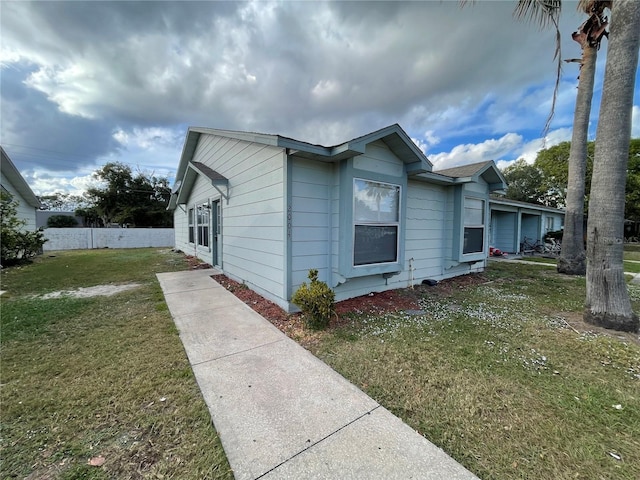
{"x":512,"y":221}
{"x":370,"y":214}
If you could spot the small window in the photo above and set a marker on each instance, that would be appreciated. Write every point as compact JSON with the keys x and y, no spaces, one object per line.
{"x":549,"y":225}
{"x":190,"y":222}
{"x":473,"y":226}
{"x":376,"y":217}
{"x":218,"y":217}
{"x":203,"y":225}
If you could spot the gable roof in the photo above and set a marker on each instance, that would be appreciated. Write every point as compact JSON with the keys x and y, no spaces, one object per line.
{"x":487,"y":170}
{"x":464,"y":170}
{"x":183,"y":187}
{"x":393,"y":136}
{"x":18,"y":182}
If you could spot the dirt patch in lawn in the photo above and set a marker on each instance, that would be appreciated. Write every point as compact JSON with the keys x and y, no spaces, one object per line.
{"x":98,"y":290}
{"x":577,"y":324}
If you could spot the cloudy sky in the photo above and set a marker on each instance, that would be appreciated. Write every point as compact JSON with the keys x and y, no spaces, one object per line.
{"x":84,"y":83}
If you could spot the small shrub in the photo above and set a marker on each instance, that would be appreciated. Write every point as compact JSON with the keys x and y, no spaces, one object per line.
{"x":316,"y":302}
{"x":61,"y":221}
{"x":16,"y":245}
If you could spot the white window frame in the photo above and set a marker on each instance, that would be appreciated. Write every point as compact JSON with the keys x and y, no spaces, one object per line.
{"x":191,"y":230}
{"x":470,"y":223}
{"x":203,"y":224}
{"x":549,"y":223}
{"x":386,"y":223}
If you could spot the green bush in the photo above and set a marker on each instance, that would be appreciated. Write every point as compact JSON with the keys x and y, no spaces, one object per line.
{"x":316,"y":302}
{"x":61,"y":221}
{"x":16,"y":245}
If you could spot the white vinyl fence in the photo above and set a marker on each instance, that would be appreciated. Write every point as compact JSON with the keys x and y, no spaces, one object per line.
{"x":87,"y":238}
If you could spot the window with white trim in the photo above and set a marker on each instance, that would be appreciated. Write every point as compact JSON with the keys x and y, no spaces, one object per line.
{"x":473,"y":226}
{"x":203,"y":225}
{"x":549,"y":222}
{"x":191,"y":227}
{"x":376,"y":222}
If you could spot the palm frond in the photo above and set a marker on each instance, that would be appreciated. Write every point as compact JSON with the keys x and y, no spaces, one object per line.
{"x":556,"y":88}
{"x":541,"y":12}
{"x":544,"y":13}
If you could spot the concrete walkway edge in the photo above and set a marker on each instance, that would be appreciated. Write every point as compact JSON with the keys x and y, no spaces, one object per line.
{"x":280,"y":412}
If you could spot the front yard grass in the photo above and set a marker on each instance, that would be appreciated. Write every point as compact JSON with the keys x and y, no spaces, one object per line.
{"x":103,"y":378}
{"x":503,"y":375}
{"x":499,"y":372}
{"x":631,"y":258}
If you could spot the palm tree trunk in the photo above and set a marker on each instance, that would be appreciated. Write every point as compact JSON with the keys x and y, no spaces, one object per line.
{"x":572,"y":258}
{"x":607,"y":301}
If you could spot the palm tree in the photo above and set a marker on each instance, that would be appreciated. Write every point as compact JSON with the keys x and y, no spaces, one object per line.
{"x":572,"y":259}
{"x":607,"y":302}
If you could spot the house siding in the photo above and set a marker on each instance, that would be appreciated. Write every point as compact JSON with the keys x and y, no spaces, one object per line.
{"x":310,"y":220}
{"x":531,"y":225}
{"x":289,"y":211}
{"x":251,"y":245}
{"x":24,"y":211}
{"x":503,"y":231}
{"x":378,"y":163}
{"x":512,"y":222}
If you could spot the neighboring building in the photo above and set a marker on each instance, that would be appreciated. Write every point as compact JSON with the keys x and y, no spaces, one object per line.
{"x":512,"y":221}
{"x":370,"y":214}
{"x":13,"y":183}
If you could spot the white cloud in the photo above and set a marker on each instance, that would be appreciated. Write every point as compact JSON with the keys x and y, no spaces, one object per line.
{"x":492,"y":149}
{"x":151,"y":138}
{"x":126,"y":77}
{"x":48,"y":183}
{"x":422,"y":145}
{"x":326,"y":89}
{"x":635,"y":122}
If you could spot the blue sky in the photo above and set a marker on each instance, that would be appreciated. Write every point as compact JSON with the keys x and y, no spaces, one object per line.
{"x":86,"y":83}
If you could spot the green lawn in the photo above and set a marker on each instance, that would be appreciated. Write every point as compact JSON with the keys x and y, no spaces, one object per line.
{"x":631,"y":258}
{"x":107,"y":377}
{"x":632,"y":251}
{"x":494,"y":375}
{"x":491,"y":372}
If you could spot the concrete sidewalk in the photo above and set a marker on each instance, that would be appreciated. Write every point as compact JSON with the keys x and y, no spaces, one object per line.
{"x":279,"y":411}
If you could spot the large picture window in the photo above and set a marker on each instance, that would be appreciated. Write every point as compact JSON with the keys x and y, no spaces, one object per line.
{"x":376,"y":218}
{"x":473,"y":226}
{"x":203,"y":225}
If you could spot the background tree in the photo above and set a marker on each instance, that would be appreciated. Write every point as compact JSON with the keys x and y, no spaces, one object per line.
{"x":90,"y":217}
{"x":553,"y":163}
{"x":554,"y":166}
{"x":524,"y":183}
{"x":632,"y":199}
{"x":124,"y":198}
{"x":62,"y":202}
{"x":607,"y":299}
